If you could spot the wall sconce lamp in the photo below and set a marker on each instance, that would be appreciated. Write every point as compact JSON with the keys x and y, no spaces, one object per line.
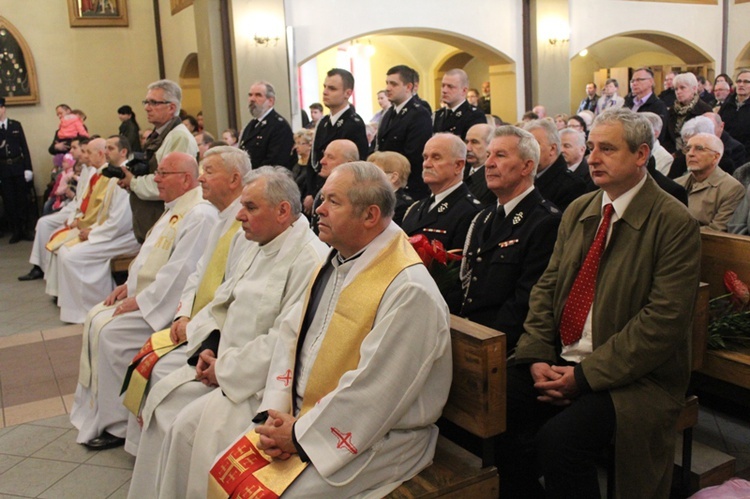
{"x":555,"y":30}
{"x":265,"y":40}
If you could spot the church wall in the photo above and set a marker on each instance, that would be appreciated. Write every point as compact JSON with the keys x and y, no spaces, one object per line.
{"x":178,"y":38}
{"x":315,"y":31}
{"x":94,"y":69}
{"x":738,"y":41}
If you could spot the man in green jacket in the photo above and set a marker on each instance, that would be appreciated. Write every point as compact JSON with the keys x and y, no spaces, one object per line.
{"x":605,"y":353}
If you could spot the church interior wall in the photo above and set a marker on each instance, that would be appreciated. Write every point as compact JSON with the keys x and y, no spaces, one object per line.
{"x":738,"y":43}
{"x":93,"y":69}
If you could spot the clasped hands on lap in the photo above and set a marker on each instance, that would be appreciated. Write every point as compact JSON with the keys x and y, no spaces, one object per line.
{"x":555,"y":384}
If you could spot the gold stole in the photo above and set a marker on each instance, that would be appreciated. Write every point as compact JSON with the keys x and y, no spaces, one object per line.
{"x":246,"y":471}
{"x":159,"y":344}
{"x":162,"y":250}
{"x":95,"y":201}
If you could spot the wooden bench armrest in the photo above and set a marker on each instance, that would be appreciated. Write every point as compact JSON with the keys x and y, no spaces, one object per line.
{"x":477,"y":397}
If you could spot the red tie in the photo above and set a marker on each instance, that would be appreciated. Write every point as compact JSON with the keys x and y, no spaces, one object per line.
{"x":582,"y":293}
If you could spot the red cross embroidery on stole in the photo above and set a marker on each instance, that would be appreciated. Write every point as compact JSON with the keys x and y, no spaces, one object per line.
{"x":285,"y":378}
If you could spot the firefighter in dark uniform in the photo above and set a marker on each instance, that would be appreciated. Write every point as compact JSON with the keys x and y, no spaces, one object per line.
{"x":268,"y":138}
{"x":510,"y":242}
{"x":15,"y":177}
{"x":458,"y":115}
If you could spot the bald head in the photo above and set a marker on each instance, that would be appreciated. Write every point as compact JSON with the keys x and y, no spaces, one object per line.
{"x":337,"y":153}
{"x":177,"y":174}
{"x":477,"y":139}
{"x":718,"y":123}
{"x":97,"y":149}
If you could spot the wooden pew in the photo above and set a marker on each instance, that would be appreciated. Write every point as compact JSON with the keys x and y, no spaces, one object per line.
{"x":476,"y":403}
{"x":119,"y":266}
{"x":721,"y":252}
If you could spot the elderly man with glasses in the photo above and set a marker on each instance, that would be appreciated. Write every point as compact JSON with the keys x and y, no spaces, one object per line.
{"x":116,"y":329}
{"x":642,"y":98}
{"x":162,"y":105}
{"x":713,"y":194}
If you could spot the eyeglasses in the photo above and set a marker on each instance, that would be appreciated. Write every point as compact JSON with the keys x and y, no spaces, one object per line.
{"x":159,"y":173}
{"x":636,"y":80}
{"x":697,"y":148}
{"x":152,"y":103}
{"x":744,"y":82}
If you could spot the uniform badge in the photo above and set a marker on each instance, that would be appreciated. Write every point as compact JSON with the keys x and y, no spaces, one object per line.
{"x":517,"y":218}
{"x":505,"y":244}
{"x":458,"y":114}
{"x":443,"y":206}
{"x":339,"y":123}
{"x":436,"y":231}
{"x":263,"y":123}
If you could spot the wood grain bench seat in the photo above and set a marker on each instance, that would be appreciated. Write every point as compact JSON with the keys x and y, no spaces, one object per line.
{"x":476,"y":404}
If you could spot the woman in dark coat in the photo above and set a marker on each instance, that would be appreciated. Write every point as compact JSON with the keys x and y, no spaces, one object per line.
{"x":688,"y":105}
{"x":129,"y":127}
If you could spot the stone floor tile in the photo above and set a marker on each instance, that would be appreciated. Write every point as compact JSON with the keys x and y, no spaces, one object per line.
{"x":20,"y":339}
{"x":68,"y":399}
{"x":14,"y":395}
{"x":114,"y":458}
{"x":62,"y":421}
{"x":7,"y":462}
{"x":25,"y":440}
{"x":122,"y":492}
{"x":32,"y":411}
{"x":32,"y":476}
{"x":88,"y":481}
{"x":62,"y":332}
{"x":66,"y":449}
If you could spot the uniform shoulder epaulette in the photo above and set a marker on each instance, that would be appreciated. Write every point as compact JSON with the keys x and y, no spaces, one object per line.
{"x":550,"y":207}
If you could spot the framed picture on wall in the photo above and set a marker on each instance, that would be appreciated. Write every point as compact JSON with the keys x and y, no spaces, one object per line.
{"x":97,"y":13}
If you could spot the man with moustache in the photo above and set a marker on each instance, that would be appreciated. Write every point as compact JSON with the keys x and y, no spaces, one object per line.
{"x":444,"y":216}
{"x":268,"y":138}
{"x":477,"y":140}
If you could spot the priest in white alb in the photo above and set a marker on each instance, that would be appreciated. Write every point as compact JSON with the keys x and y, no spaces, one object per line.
{"x":225,"y":170}
{"x":352,"y":401}
{"x":46,"y":225}
{"x":116,"y":329}
{"x":84,"y":276}
{"x":196,"y":411}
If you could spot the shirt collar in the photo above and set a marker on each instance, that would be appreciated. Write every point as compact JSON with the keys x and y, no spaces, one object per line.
{"x":511,"y":205}
{"x":447,"y":192}
{"x":397,"y":109}
{"x":621,"y":203}
{"x":335,"y":117}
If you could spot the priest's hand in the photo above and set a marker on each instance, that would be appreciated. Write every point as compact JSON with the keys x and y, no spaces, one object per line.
{"x":83,"y":234}
{"x":556,"y":384}
{"x":307,"y":205}
{"x":125,"y":181}
{"x":119,"y":293}
{"x":127,"y":305}
{"x":178,"y":331}
{"x":74,"y":224}
{"x":205,"y":371}
{"x":276,"y":435}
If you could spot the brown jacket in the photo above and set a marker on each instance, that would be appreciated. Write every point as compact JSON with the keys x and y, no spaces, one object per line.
{"x":641,"y":321}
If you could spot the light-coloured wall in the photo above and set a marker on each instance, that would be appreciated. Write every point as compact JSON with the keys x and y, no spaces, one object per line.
{"x":178,"y":37}
{"x":314,"y":32}
{"x":94,"y":69}
{"x":551,"y":69}
{"x":737,"y":41}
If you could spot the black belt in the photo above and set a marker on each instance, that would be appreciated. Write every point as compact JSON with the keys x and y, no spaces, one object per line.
{"x":11,"y":161}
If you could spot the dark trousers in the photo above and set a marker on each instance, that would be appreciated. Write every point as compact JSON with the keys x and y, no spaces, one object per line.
{"x":15,"y":193}
{"x":560,"y":443}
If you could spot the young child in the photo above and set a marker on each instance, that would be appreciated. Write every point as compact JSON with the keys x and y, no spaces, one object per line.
{"x":71,"y":126}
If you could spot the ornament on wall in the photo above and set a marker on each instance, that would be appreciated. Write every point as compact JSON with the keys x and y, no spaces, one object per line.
{"x":97,"y":13}
{"x":18,"y":82}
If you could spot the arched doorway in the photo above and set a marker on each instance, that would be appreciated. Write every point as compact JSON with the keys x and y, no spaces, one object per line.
{"x":429,"y":52}
{"x":618,"y":55}
{"x":190,"y":81}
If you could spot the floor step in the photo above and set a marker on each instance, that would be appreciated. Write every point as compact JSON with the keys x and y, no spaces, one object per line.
{"x":709,"y":467}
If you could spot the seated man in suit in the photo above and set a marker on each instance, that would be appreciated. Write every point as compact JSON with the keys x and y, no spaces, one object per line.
{"x":605,"y":353}
{"x":510,"y":242}
{"x":477,"y":139}
{"x":553,"y":179}
{"x":447,"y":213}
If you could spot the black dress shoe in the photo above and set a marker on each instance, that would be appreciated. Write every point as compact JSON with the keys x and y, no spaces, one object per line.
{"x":15,"y":238}
{"x":105,"y":441}
{"x":34,"y":274}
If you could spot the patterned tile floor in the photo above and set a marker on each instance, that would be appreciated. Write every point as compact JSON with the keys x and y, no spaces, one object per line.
{"x":38,"y":370}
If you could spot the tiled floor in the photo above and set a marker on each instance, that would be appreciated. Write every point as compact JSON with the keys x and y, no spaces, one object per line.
{"x":38,"y":371}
